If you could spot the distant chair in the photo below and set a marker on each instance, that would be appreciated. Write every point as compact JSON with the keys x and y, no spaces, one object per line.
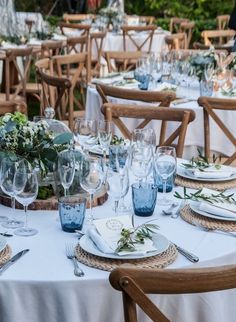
{"x":115,"y":113}
{"x":222,"y":21}
{"x":176,"y":41}
{"x":175,"y":24}
{"x":217,"y":37}
{"x":149,"y":20}
{"x":187,"y":28}
{"x":77,"y":29}
{"x":51,"y":48}
{"x":73,"y":18}
{"x":210,"y":106}
{"x":130,"y":34}
{"x":95,"y":52}
{"x":120,"y":61}
{"x":12,"y":106}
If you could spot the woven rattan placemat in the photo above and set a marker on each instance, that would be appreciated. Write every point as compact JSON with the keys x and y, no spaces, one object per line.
{"x":189,"y":215}
{"x":5,"y":255}
{"x":159,"y":261}
{"x":194,"y":184}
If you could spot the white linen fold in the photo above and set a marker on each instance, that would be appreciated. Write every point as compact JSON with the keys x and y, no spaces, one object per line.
{"x":217,"y":210}
{"x":99,"y":241}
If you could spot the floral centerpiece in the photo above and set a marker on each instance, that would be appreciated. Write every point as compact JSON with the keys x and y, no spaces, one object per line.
{"x":200,"y":61}
{"x":31,"y":141}
{"x":110,"y":14}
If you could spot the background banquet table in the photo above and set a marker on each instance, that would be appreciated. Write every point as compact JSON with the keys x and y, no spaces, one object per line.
{"x":195,"y":134}
{"x":41,"y":285}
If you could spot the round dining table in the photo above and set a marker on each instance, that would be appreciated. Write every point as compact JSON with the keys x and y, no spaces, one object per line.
{"x":41,"y":285}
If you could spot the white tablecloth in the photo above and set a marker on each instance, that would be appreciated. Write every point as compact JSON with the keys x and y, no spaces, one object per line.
{"x":41,"y":285}
{"x":194,"y":136}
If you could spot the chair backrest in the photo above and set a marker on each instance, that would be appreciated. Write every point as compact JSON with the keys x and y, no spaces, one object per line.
{"x":114,"y":113}
{"x":176,"y":41}
{"x":218,"y":37}
{"x":175,"y":23}
{"x":187,"y":28}
{"x":149,"y":20}
{"x":12,"y":106}
{"x":210,"y":107}
{"x":29,"y":23}
{"x":96,"y":49}
{"x":121,"y":61}
{"x":17,"y":75}
{"x":77,"y":17}
{"x":51,"y":48}
{"x":63,"y":66}
{"x":80,"y":29}
{"x":76,"y":45}
{"x":131,"y":33}
{"x":135,"y":283}
{"x":198,"y":45}
{"x":222,"y":21}
{"x":54,"y":90}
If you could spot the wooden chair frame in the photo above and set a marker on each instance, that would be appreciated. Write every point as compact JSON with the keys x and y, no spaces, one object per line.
{"x":222,"y":21}
{"x":113,"y":112}
{"x":96,"y":42}
{"x":51,"y":48}
{"x":176,"y":41}
{"x":121,"y":61}
{"x":72,"y":18}
{"x":135,"y":283}
{"x":127,"y":35}
{"x":85,"y":29}
{"x":210,"y":104}
{"x":209,"y":35}
{"x":187,"y":28}
{"x":12,"y":106}
{"x":175,"y":24}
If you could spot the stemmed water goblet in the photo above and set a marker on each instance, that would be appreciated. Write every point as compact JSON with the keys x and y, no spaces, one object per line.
{"x":9,"y":167}
{"x":105,"y":132}
{"x":92,"y":178}
{"x":25,"y":190}
{"x":165,"y":165}
{"x":85,"y":133}
{"x":66,"y":169}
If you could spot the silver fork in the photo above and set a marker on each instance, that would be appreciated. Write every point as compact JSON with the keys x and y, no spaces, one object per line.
{"x":229,"y":233}
{"x":70,"y":254}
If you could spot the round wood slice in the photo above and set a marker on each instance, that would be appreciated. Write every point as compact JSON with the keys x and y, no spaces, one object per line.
{"x":52,"y":203}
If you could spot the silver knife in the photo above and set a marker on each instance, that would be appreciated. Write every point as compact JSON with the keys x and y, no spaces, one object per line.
{"x":13,"y":260}
{"x":190,"y":256}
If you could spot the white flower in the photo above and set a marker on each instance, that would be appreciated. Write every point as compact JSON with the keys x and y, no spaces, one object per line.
{"x":6,"y":118}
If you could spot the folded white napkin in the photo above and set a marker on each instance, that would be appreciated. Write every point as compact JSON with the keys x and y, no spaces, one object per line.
{"x":106,"y":232}
{"x":93,"y":234}
{"x":213,"y":173}
{"x":166,"y":87}
{"x":221,"y":209}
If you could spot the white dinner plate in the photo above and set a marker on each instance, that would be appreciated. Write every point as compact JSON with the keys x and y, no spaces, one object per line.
{"x":181,"y":171}
{"x":3,"y":242}
{"x":207,"y":214}
{"x":161,"y":243}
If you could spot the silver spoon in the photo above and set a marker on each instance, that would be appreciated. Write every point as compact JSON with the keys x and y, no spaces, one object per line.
{"x":169,"y":211}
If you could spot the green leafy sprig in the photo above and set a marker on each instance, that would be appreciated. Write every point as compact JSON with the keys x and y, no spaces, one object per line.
{"x":131,"y":237}
{"x":212,"y":198}
{"x":201,"y":163}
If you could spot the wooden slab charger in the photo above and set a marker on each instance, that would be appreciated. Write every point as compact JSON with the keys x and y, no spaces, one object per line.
{"x":210,"y":223}
{"x":52,"y":203}
{"x":195,"y":184}
{"x":158,"y":261}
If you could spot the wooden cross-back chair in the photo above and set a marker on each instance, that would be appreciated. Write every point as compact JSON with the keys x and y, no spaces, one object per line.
{"x":76,"y":45}
{"x":121,"y":61}
{"x":55,"y":91}
{"x":198,"y":45}
{"x":222,"y":21}
{"x":187,"y":28}
{"x":114,"y":113}
{"x":210,"y":107}
{"x":175,"y":24}
{"x":176,"y":41}
{"x":51,"y":48}
{"x":219,"y":37}
{"x":12,"y":106}
{"x":70,"y":18}
{"x":96,"y":49}
{"x":16,"y":76}
{"x":63,"y":65}
{"x":135,"y":284}
{"x":149,"y":20}
{"x":130,"y":33}
{"x":29,"y":23}
{"x":82,"y":29}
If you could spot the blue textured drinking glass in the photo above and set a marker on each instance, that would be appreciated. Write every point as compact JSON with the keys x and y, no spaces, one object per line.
{"x":144,"y":83}
{"x":144,"y":197}
{"x":72,"y":212}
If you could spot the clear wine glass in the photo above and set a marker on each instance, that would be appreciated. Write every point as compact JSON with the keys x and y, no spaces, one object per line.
{"x":105,"y":132}
{"x":165,"y":164}
{"x":9,"y":167}
{"x":66,"y":169}
{"x":118,"y":185}
{"x":26,"y":190}
{"x":92,"y":178}
{"x":85,"y":133}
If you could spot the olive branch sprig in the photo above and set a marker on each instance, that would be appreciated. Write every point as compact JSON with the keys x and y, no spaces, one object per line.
{"x":212,"y":198}
{"x":131,"y":237}
{"x":201,"y":163}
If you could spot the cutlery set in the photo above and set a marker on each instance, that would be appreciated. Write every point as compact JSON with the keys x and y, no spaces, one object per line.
{"x":13,"y":260}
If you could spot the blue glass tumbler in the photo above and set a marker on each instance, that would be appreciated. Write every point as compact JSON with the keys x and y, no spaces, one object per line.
{"x":144,"y":197}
